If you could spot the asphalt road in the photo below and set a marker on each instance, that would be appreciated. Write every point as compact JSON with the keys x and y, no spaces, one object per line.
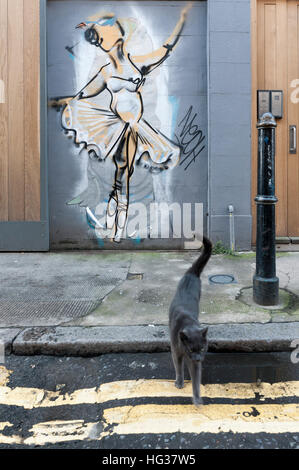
{"x":128,"y":401}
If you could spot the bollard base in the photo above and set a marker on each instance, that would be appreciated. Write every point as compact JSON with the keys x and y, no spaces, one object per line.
{"x":265,"y":290}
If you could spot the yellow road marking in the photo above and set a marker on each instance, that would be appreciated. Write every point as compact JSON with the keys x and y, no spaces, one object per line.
{"x":35,"y":397}
{"x":158,"y":419}
{"x":30,"y":398}
{"x":4,"y":375}
{"x":151,"y":418}
{"x":61,"y":431}
{"x":166,"y":388}
{"x":52,"y":432}
{"x":8,"y":439}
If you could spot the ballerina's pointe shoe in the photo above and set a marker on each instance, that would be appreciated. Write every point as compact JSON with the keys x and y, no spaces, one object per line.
{"x":121,"y":218}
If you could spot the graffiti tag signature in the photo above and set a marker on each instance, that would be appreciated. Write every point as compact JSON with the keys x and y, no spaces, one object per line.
{"x":190,"y":138}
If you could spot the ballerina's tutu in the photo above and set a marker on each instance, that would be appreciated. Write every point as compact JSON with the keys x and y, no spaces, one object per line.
{"x":101,"y":130}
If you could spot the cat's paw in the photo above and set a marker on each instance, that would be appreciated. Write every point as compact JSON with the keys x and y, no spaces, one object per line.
{"x":197,"y":401}
{"x":179,"y":384}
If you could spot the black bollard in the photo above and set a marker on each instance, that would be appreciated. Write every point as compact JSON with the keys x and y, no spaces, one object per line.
{"x":265,"y":281}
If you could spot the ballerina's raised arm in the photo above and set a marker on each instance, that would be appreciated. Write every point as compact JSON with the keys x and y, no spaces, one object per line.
{"x":150,"y":61}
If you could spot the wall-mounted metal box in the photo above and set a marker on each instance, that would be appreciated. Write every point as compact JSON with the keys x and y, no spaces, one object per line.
{"x":270,"y":101}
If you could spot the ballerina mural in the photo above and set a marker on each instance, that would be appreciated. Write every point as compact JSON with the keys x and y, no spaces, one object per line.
{"x":120,"y":131}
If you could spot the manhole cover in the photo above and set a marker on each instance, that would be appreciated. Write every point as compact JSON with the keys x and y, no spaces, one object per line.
{"x":221,"y":279}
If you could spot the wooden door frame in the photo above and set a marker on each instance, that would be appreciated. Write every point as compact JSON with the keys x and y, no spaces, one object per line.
{"x":44,"y":116}
{"x":34,"y":235}
{"x":254,"y":136}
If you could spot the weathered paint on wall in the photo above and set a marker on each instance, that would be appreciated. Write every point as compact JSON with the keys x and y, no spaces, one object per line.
{"x":171,"y":122}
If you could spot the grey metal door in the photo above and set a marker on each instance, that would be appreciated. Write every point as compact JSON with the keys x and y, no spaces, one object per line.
{"x":130,"y":150}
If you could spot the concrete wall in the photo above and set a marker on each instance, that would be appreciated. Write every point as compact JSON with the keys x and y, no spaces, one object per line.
{"x":174,"y":94}
{"x":229,"y":116}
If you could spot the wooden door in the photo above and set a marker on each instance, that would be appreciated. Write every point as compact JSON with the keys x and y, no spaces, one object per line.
{"x":275,"y":66}
{"x":293,"y":117}
{"x":23,"y":218}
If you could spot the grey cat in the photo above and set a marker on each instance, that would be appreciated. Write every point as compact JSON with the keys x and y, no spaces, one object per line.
{"x":187,"y":339}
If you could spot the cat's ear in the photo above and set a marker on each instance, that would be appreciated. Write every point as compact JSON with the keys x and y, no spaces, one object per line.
{"x":204,"y":332}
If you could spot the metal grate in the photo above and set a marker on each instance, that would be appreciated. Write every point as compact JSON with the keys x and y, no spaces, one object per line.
{"x":17,"y":313}
{"x":222,"y":279}
{"x":55,"y":289}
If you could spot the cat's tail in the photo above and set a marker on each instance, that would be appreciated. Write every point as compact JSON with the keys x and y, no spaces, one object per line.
{"x":198,"y":266}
